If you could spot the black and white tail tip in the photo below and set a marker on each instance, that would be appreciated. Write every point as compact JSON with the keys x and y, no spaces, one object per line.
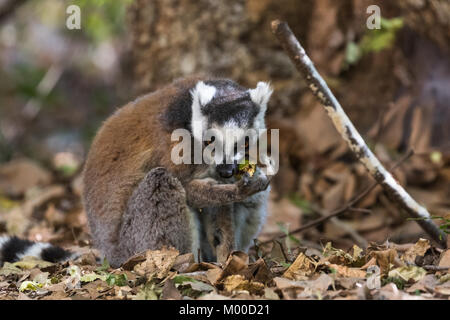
{"x":14,"y":249}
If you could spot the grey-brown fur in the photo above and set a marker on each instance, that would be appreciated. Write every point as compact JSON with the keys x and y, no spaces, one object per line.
{"x":156,"y":215}
{"x":136,"y":199}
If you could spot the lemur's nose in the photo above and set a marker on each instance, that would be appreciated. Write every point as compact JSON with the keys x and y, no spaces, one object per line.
{"x":227,"y":170}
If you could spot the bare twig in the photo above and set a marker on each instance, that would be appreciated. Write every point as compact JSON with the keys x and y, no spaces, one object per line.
{"x":347,"y":206}
{"x":435,"y":268}
{"x":349,"y":133}
{"x":362,"y":210}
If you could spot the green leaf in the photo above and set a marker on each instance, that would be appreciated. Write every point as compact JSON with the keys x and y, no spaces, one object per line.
{"x":89,"y":277}
{"x":148,"y":292}
{"x":29,"y":286}
{"x":436,"y":157}
{"x":180,"y":279}
{"x":117,"y":280}
{"x":373,"y":40}
{"x":352,"y":53}
{"x":399,"y":282}
{"x":102,"y":19}
{"x":105,"y":266}
{"x":445,"y":227}
{"x":393,"y":24}
{"x":66,"y":170}
{"x":380,"y":39}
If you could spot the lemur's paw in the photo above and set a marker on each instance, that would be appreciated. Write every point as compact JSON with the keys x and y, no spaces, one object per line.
{"x":248,"y":186}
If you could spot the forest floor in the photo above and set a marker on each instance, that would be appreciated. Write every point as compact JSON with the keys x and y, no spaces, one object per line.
{"x":46,"y":206}
{"x":395,"y":92}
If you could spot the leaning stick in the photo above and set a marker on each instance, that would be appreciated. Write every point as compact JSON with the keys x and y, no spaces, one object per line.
{"x":348,"y":132}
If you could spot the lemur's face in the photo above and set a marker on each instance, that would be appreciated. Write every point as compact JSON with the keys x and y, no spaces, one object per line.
{"x":227,"y":116}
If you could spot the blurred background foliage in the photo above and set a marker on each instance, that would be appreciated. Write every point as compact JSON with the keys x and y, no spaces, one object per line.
{"x":58,"y":85}
{"x":35,"y":40}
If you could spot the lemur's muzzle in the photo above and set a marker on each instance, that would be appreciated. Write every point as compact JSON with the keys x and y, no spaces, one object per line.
{"x":227,"y":170}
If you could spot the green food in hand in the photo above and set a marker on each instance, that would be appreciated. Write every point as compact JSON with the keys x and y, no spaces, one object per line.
{"x":246,"y":167}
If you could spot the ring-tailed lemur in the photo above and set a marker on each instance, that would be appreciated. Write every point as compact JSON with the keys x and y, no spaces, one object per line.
{"x":137,"y":198}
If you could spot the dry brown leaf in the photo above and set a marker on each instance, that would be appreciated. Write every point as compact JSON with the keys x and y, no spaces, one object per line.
{"x":96,"y":288}
{"x":213,"y":296}
{"x":122,"y":292}
{"x":214,"y":275}
{"x":57,"y":295}
{"x":88,"y":259}
{"x":348,"y":283}
{"x":321,"y":283}
{"x":182,"y":262}
{"x":202,"y":266}
{"x":317,"y":288}
{"x":286,"y":212}
{"x":427,"y":283}
{"x":77,"y":185}
{"x":372,"y":262}
{"x":18,"y":219}
{"x":336,"y":256}
{"x":314,"y":125}
{"x":350,"y":187}
{"x":236,"y":263}
{"x":300,"y":269}
{"x":23,"y":296}
{"x":373,"y":221}
{"x":283,"y":283}
{"x":391,"y":292}
{"x":258,"y":271}
{"x":419,"y":249}
{"x":238,"y":282}
{"x":54,"y":216}
{"x":370,"y":199}
{"x":133,"y":261}
{"x":345,"y":271}
{"x":392,"y":123}
{"x":445,"y":259}
{"x":170,"y":292}
{"x":269,"y":293}
{"x":385,"y":259}
{"x":157,"y":262}
{"x":443,"y":289}
{"x":334,"y":197}
{"x":336,"y":171}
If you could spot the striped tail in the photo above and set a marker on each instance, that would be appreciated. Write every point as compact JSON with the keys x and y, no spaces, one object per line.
{"x":14,"y":249}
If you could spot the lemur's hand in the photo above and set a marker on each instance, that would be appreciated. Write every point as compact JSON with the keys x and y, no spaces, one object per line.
{"x":248,"y":186}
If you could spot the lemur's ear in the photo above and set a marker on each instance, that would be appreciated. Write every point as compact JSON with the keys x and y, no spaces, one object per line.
{"x":202,"y":94}
{"x":261,"y":94}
